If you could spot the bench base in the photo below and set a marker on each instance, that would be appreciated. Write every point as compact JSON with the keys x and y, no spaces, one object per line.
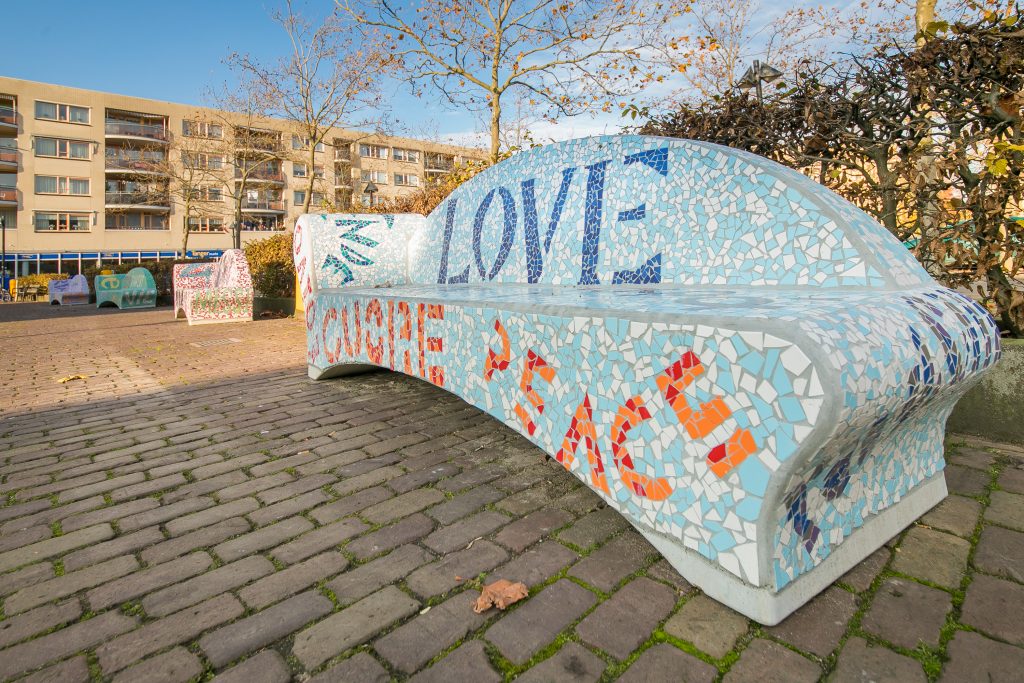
{"x":770,"y":608}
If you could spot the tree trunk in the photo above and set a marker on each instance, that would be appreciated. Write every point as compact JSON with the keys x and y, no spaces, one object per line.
{"x":495,"y":127}
{"x":184,"y":237}
{"x":924,"y":14}
{"x":1009,"y":302}
{"x":311,"y":177}
{"x":236,"y":229}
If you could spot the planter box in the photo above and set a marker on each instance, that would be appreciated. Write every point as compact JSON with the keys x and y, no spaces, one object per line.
{"x":284,"y":306}
{"x":994,"y":408}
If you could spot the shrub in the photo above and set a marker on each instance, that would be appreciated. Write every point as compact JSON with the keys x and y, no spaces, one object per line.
{"x":42,"y":281}
{"x":271,"y":266}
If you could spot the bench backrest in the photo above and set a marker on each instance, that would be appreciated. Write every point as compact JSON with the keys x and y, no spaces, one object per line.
{"x":231,"y":270}
{"x":628,"y":209}
{"x":78,"y":284}
{"x":134,"y":279}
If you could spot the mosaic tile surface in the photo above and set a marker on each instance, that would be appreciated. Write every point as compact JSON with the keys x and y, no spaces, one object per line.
{"x":214,"y":292}
{"x":729,"y":354}
{"x":134,"y":289}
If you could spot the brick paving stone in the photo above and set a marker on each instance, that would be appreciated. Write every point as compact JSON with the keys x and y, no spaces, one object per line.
{"x":69,"y":584}
{"x":266,"y":667}
{"x":291,"y":580}
{"x":465,"y":503}
{"x":266,"y":537}
{"x":663,"y":571}
{"x":860,"y":662}
{"x":370,"y":479}
{"x":536,"y":565}
{"x":51,"y":515}
{"x":905,"y":613}
{"x":343,"y":507}
{"x":664,"y":662}
{"x":287,"y":508}
{"x":473,"y":476}
{"x":204,"y":487}
{"x":524,"y":532}
{"x":394,"y":444}
{"x":766,"y":662}
{"x":458,"y":535}
{"x":191,"y":591}
{"x":80,"y":492}
{"x":614,"y":561}
{"x":973,"y":457}
{"x":407,"y":530}
{"x":524,"y":502}
{"x":467,"y":662}
{"x":295,"y":488}
{"x":211,"y":515}
{"x":935,"y":556}
{"x":580,"y":501}
{"x":364,"y":579}
{"x":353,"y":625}
{"x":620,"y":624}
{"x":54,"y":546}
{"x":423,"y":477}
{"x":1001,"y":551}
{"x":108,"y":514}
{"x":147,"y":580}
{"x":359,"y":668}
{"x":401,"y":506}
{"x":594,"y":528}
{"x":200,"y":538}
{"x":147,"y":487}
{"x":708,"y":624}
{"x":966,"y":481}
{"x":318,"y":540}
{"x":452,"y":570}
{"x":177,"y":665}
{"x":13,"y":581}
{"x":1006,"y":509}
{"x":817,"y":626}
{"x":21,"y":509}
{"x":1012,"y":478}
{"x":24,"y":537}
{"x":159,"y":515}
{"x":241,"y":637}
{"x":252,"y":486}
{"x":416,"y":642}
{"x":995,"y":606}
{"x":974,"y":657}
{"x":177,"y":628}
{"x":74,"y":670}
{"x":63,"y":643}
{"x":863,"y":575}
{"x":537,"y":621}
{"x":16,"y":628}
{"x":571,"y":664}
{"x":955,"y":514}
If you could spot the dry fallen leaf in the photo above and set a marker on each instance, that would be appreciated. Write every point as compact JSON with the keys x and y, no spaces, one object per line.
{"x":500,"y":594}
{"x":65,"y":380}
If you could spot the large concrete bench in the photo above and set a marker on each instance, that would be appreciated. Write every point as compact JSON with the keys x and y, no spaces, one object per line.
{"x":219,"y":292}
{"x":134,"y":289}
{"x":71,"y":292}
{"x":750,"y":369}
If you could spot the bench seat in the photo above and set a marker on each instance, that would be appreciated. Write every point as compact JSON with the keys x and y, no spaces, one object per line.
{"x":766,"y":427}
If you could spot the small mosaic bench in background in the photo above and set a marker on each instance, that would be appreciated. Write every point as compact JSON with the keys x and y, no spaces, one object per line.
{"x":219,"y":292}
{"x":134,"y":289}
{"x":750,"y":369}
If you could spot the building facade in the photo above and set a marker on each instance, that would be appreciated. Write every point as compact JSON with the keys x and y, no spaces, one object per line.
{"x":105,"y":176}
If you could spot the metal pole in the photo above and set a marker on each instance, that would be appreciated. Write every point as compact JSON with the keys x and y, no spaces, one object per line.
{"x":757,"y":81}
{"x":3,"y":251}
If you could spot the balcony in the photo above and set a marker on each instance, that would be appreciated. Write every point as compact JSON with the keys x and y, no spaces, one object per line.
{"x":261,"y":174}
{"x":8,"y":195}
{"x":137,"y":131}
{"x":147,"y":201}
{"x":8,"y":118}
{"x":134,"y":166}
{"x":264,"y":205}
{"x":8,"y":159}
{"x":439,"y":164}
{"x":136,"y":221}
{"x":343,"y":155}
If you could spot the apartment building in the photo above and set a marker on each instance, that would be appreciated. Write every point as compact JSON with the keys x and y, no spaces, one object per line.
{"x":86,"y":175}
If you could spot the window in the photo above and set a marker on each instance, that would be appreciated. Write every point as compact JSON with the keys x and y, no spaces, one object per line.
{"x":201,"y":129}
{"x":318,"y":171}
{"x":48,"y":184}
{"x":61,"y":222}
{"x":299,"y":170}
{"x":136,"y":221}
{"x":206,"y":193}
{"x":303,"y":143}
{"x":366,"y":200}
{"x":62,"y":149}
{"x":373,"y":151}
{"x":379,"y":177}
{"x":406,"y":155}
{"x":197,"y":224}
{"x":407,"y":179}
{"x":317,"y":199}
{"x":201,"y":160}
{"x":68,"y":113}
{"x":300,"y":197}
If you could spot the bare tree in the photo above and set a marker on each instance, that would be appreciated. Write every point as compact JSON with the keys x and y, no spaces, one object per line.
{"x":326,"y":80}
{"x":571,"y":56}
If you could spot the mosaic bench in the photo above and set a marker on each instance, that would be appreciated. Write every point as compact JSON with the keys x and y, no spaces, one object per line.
{"x":71,"y":292}
{"x":219,"y":292}
{"x":747,"y":367}
{"x":134,"y":289}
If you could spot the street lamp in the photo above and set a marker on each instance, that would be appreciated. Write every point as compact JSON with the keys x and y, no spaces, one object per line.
{"x":370,"y":189}
{"x":754,"y":75}
{"x":3,"y":252}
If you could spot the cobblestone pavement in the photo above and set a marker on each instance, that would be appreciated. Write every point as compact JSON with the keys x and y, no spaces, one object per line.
{"x":196,"y":508}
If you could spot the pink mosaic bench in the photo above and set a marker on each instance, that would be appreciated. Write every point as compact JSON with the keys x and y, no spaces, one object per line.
{"x":219,"y":292}
{"x":754,"y":372}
